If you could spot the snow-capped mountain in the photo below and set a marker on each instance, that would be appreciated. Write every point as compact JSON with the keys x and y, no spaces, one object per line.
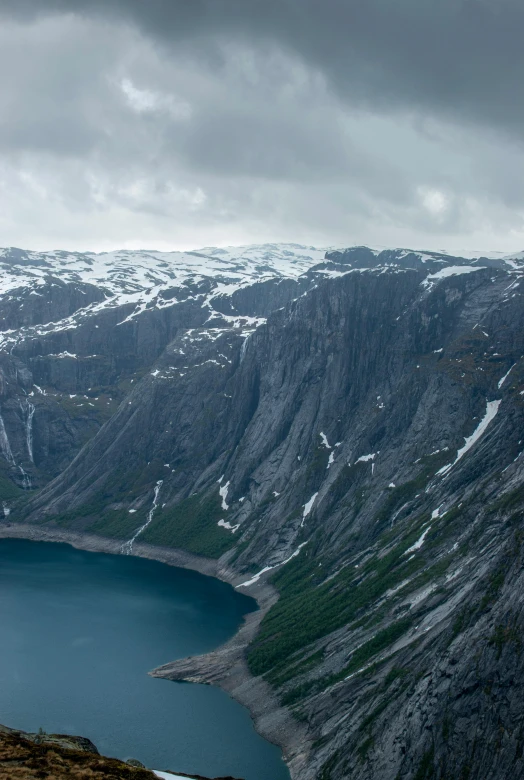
{"x":137,"y":276}
{"x":347,"y":423}
{"x":137,"y":281}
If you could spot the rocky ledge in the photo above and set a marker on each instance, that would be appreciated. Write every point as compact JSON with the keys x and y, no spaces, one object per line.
{"x":25,"y":756}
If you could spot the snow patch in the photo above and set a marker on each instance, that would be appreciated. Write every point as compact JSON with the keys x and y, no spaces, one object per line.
{"x":366,"y":458}
{"x":223,"y":494}
{"x":491,"y":410}
{"x":450,"y":270}
{"x":62,"y":355}
{"x":308,"y":507}
{"x":501,"y":381}
{"x":420,"y":541}
{"x":324,"y":440}
{"x":268,"y":568}
{"x":228,"y":526}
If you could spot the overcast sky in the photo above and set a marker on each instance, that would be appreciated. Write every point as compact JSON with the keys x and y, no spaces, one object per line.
{"x":174,"y":124}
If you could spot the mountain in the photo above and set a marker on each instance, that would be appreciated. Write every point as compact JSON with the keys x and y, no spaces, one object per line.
{"x":87,"y":326}
{"x":347,"y":425}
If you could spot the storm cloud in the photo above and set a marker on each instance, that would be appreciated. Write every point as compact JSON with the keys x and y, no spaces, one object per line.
{"x":172,"y":124}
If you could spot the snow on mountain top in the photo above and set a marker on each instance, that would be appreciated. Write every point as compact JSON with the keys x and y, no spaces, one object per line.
{"x":129,"y":272}
{"x":450,"y":270}
{"x":125,"y":275}
{"x":473,"y":254}
{"x":286,"y":258}
{"x":141,"y":279}
{"x":145,"y":279}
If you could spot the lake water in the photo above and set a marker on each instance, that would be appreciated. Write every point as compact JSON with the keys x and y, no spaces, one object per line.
{"x":78,"y":633}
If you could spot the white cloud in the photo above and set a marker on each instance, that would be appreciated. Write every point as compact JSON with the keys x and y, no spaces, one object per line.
{"x":434,"y":201}
{"x":145,"y":100}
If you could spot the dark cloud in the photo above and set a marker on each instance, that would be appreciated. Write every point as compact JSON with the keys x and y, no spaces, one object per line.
{"x":173,"y":122}
{"x":460,"y":57}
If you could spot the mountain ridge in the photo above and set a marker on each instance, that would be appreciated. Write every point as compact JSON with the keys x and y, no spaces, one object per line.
{"x":352,"y":433}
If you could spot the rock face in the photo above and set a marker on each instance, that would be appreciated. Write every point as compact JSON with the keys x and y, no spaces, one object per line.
{"x":352,"y":429}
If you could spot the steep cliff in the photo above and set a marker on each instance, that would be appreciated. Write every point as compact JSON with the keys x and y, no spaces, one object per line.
{"x":351,"y":429}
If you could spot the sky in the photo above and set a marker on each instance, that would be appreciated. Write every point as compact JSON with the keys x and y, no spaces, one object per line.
{"x":175,"y":124}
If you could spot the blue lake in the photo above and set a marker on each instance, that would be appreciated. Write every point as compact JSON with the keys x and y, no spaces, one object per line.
{"x":78,"y":633}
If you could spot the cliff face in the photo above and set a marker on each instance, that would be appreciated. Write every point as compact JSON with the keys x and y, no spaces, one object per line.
{"x":354,"y":432}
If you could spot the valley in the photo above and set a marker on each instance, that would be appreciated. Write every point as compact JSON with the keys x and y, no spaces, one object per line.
{"x":338,"y":434}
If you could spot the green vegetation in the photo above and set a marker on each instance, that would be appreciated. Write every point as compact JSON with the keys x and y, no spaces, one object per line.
{"x":495,"y":583}
{"x":460,"y":623}
{"x":382,"y":640}
{"x":118,"y":523}
{"x":374,"y":714}
{"x":309,"y":609}
{"x":8,"y":489}
{"x":99,"y":408}
{"x":426,"y":769}
{"x":492,"y":591}
{"x":508,"y":501}
{"x":365,"y":747}
{"x":239,"y":549}
{"x":122,"y":488}
{"x":287,"y":670}
{"x":192,"y":525}
{"x":326,"y":771}
{"x":395,"y":673}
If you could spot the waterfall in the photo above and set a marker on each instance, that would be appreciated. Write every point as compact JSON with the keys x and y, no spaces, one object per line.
{"x":5,"y":447}
{"x":6,"y":509}
{"x":4,"y":443}
{"x":26,"y":479}
{"x":30,"y":410}
{"x":127,"y":547}
{"x":243,"y":348}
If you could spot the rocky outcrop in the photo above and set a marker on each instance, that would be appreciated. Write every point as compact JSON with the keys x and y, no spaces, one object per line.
{"x":354,"y":435}
{"x":25,"y":756}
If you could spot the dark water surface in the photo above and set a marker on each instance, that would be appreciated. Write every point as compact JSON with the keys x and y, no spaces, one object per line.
{"x":78,"y":633}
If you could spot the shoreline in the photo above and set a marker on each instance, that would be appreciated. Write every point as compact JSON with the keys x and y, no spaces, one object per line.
{"x":225,"y":667}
